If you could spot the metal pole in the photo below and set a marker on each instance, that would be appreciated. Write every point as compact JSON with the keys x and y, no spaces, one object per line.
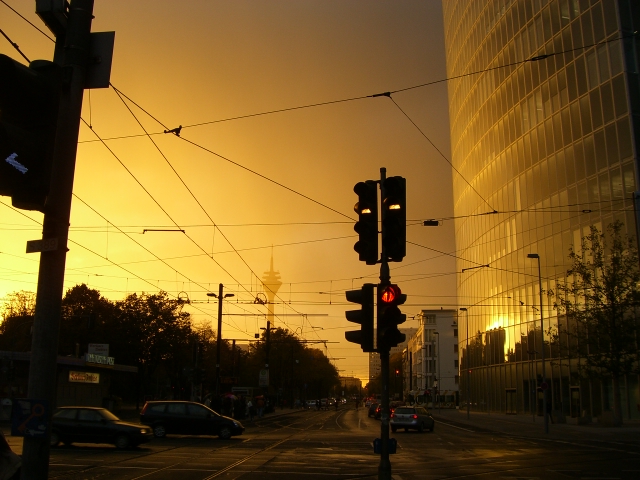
{"x":74,"y":48}
{"x":545,"y":387}
{"x":219,"y":339}
{"x":439,"y":377}
{"x":467,"y":364}
{"x":384,"y":468}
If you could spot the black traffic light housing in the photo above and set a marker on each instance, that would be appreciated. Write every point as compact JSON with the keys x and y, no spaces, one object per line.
{"x":29,"y":98}
{"x":394,"y":218}
{"x":367,"y":224}
{"x":390,"y":316}
{"x":364,"y":317}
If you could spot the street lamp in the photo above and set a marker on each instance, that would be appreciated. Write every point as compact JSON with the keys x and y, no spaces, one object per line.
{"x":220,"y":297}
{"x":439,"y":377}
{"x":544,"y":385}
{"x":467,"y":363}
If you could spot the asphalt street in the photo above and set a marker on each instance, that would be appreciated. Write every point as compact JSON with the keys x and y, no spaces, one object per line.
{"x":293,"y":444}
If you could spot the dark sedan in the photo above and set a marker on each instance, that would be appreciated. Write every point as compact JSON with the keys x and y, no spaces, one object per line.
{"x":95,"y":425}
{"x":372,"y":410}
{"x":416,"y":418}
{"x":187,"y":418}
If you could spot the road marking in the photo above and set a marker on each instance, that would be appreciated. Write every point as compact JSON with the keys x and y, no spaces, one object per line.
{"x":338,"y":418}
{"x":454,"y":426}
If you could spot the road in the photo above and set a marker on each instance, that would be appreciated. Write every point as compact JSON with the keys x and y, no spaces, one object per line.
{"x":332,"y":445}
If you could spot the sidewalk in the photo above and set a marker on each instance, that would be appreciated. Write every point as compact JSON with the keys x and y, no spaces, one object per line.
{"x":526,"y":425}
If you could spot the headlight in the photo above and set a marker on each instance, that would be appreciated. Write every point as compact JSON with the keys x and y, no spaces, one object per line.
{"x":144,"y":430}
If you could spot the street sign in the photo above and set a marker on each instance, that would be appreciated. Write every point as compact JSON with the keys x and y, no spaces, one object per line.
{"x":44,"y":245}
{"x":264,"y":378}
{"x":29,"y":418}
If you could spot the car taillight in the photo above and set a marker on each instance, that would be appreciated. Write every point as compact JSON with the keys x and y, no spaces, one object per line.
{"x":143,"y":409}
{"x":414,"y":416}
{"x":393,"y":415}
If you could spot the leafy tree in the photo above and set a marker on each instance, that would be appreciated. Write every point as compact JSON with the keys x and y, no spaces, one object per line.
{"x":599,"y":300}
{"x":17,"y":320}
{"x":156,"y":336}
{"x":86,"y":316}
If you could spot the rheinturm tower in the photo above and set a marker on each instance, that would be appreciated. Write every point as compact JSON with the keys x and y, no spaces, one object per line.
{"x":271,"y":284}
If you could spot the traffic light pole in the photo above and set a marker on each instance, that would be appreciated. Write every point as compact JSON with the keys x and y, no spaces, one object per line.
{"x":74,"y":48}
{"x":384,"y":468}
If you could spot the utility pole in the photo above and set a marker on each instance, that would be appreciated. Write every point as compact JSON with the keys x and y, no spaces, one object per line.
{"x":220,"y":297}
{"x":384,"y":468}
{"x":72,"y":52}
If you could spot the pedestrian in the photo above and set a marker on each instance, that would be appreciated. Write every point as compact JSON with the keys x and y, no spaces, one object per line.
{"x":260,"y":403}
{"x":250,"y":409}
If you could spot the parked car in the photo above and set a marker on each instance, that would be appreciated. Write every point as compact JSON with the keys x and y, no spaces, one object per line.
{"x":372,"y":410}
{"x":311,"y":404}
{"x":95,"y":425}
{"x":417,"y":418}
{"x":187,"y":418}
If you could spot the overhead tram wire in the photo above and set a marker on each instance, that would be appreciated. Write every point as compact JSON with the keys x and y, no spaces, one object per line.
{"x":142,"y":246}
{"x":194,"y":198}
{"x":176,"y":132}
{"x":133,"y":274}
{"x":399,"y":90}
{"x":492,"y":210}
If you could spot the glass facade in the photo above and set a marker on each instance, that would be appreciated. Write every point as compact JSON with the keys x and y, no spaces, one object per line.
{"x":548,"y":145}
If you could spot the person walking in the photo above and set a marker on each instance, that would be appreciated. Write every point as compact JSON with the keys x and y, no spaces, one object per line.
{"x":260,"y":403}
{"x":250,"y":409}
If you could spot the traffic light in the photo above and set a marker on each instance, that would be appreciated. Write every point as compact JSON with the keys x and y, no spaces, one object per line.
{"x":390,"y":316}
{"x":364,"y":317}
{"x":367,"y":224}
{"x":394,"y":218}
{"x":29,"y":98}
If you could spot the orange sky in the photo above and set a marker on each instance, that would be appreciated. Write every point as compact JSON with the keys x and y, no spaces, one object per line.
{"x":198,"y":61}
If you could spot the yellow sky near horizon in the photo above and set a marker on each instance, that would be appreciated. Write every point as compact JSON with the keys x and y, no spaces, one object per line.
{"x":198,"y":62}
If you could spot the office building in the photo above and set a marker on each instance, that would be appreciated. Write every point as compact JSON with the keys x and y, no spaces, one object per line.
{"x":542,"y":149}
{"x":430,"y":360}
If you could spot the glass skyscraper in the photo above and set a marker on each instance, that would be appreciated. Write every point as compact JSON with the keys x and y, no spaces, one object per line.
{"x":542,"y":150}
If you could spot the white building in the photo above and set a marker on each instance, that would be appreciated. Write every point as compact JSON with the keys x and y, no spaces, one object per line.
{"x":430,"y":361}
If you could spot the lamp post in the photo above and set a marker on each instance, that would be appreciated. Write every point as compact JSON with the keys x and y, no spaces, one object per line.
{"x":439,"y":377}
{"x":220,"y":297}
{"x":544,"y":385}
{"x":467,"y":363}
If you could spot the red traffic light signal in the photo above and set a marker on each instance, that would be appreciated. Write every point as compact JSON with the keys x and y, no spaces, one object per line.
{"x":389,"y":317}
{"x":391,"y":295}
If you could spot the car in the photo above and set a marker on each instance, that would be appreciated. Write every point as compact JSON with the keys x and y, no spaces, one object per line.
{"x":372,"y":409}
{"x":412,"y":417}
{"x":95,"y":425}
{"x":311,"y":404}
{"x":187,"y":418}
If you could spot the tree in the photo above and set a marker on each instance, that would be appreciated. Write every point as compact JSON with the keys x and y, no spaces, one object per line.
{"x":599,"y":299}
{"x":17,"y":320}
